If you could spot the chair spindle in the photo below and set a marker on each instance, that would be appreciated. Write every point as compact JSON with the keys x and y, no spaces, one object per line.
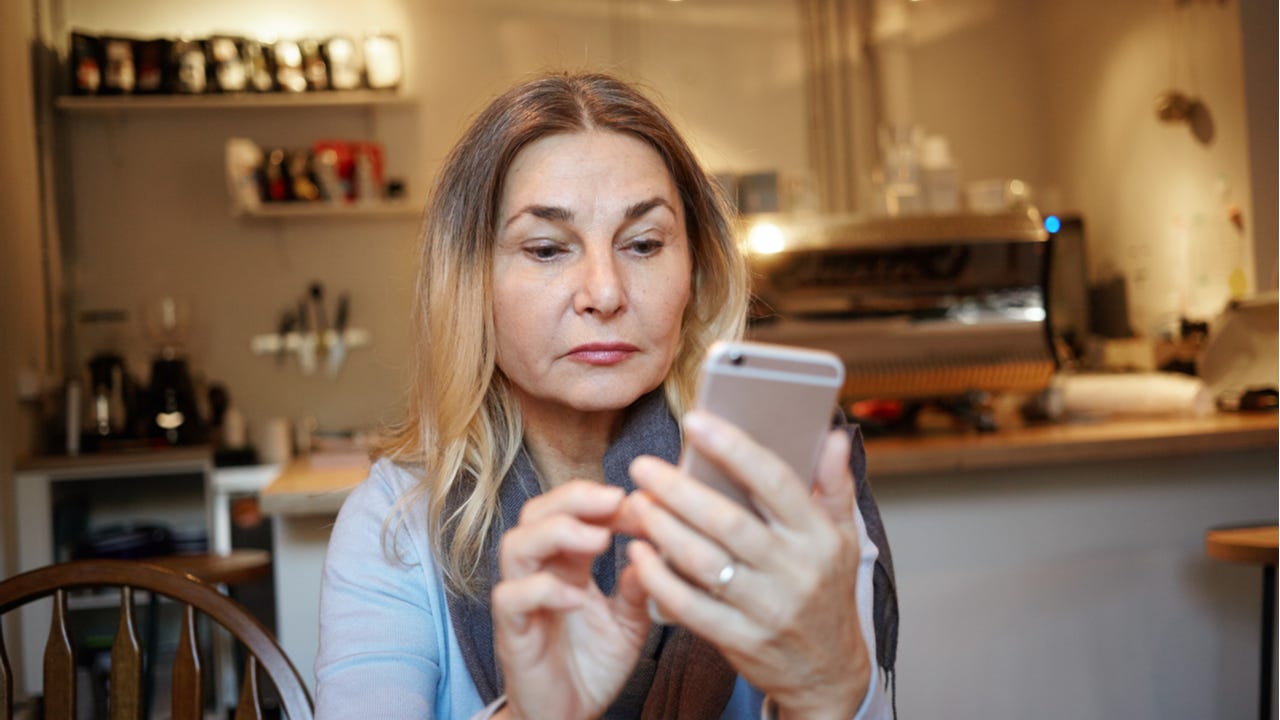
{"x":247,"y":708}
{"x":59,"y":665}
{"x":6,"y":680}
{"x":126,"y":664}
{"x":128,"y":658}
{"x":188,"y":698}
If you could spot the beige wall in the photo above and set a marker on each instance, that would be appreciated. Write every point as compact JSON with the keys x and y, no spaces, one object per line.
{"x":1259,"y":22}
{"x":1058,"y":94}
{"x":22,"y":311}
{"x":147,"y":209}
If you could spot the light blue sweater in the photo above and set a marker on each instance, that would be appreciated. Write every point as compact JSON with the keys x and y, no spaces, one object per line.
{"x":387,"y":647}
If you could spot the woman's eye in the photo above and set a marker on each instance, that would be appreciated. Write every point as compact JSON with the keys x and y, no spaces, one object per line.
{"x":544,"y":251}
{"x":645,"y":246}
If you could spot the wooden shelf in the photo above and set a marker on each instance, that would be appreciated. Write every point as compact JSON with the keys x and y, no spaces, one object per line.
{"x":103,"y":599}
{"x":247,"y":100}
{"x":303,"y":210}
{"x":150,"y":461}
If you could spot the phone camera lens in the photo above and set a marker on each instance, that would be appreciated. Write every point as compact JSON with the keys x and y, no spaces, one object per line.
{"x":736,"y":358}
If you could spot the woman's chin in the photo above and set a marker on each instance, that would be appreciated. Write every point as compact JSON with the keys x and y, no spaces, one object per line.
{"x":603,"y":402}
{"x":606,"y":398}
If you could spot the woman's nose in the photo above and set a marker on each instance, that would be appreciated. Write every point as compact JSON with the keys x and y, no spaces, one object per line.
{"x":600,"y":286}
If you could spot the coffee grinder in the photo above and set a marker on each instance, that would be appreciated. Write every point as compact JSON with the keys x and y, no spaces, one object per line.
{"x":172,"y":412}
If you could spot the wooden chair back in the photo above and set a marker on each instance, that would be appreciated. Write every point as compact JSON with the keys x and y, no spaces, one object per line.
{"x":125,"y":701}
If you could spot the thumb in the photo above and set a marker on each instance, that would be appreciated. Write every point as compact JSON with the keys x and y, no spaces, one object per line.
{"x":833,"y":487}
{"x":630,"y":601}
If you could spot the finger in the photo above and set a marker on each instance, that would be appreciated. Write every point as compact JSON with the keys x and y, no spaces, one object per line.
{"x":515,"y":601}
{"x":834,"y":487}
{"x":562,"y":540}
{"x":580,"y":498}
{"x":701,"y":507}
{"x":626,"y":521}
{"x":682,"y":603}
{"x":693,"y":555}
{"x":630,"y":600}
{"x":773,"y":485}
{"x":718,"y":573}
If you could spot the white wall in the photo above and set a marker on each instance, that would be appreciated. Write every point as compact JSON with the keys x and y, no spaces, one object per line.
{"x":1062,"y":95}
{"x":1078,"y":591}
{"x":976,"y":79}
{"x":1155,"y":200}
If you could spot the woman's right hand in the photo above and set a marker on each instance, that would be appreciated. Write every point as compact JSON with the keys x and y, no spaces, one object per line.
{"x":564,"y":647}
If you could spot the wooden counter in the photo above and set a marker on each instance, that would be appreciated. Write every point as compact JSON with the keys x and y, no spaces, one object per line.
{"x":303,"y":489}
{"x":307,"y":488}
{"x":1067,"y":442}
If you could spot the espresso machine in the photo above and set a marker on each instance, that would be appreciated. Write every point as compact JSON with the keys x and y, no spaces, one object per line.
{"x":942,"y":309}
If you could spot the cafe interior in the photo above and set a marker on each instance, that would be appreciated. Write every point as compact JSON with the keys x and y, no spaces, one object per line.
{"x":1040,"y":235}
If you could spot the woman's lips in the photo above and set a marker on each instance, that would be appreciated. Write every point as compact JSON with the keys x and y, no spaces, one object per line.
{"x":602,"y":353}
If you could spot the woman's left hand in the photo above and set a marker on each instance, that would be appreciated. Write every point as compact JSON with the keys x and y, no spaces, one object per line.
{"x":565,"y":649}
{"x":775,"y":594}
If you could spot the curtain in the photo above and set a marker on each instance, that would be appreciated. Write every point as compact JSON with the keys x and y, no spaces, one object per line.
{"x":842,"y":99}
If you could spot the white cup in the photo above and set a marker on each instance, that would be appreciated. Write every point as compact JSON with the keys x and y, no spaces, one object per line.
{"x":274,"y":441}
{"x":233,"y":430}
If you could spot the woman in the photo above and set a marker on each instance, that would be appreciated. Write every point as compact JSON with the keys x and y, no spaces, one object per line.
{"x":576,"y":264}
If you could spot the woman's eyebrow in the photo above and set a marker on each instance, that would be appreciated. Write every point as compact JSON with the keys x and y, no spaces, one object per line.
{"x":545,"y":212}
{"x":639,"y":209}
{"x":556,"y":213}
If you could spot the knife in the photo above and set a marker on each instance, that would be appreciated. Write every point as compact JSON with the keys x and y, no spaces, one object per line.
{"x":306,"y":340}
{"x":338,"y":352}
{"x":287,"y":323}
{"x":320,"y":325}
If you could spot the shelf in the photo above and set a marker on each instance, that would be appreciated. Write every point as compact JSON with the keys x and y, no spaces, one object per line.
{"x":108,"y":599}
{"x":129,"y":464}
{"x":299,"y":210}
{"x":247,"y":100}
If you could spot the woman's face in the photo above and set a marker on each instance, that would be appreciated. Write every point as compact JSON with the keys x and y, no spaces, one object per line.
{"x":591,"y":272}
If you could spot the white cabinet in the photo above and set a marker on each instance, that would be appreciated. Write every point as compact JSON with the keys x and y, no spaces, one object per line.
{"x":61,"y":498}
{"x":172,"y":486}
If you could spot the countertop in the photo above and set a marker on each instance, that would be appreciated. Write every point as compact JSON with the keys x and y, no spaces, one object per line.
{"x":306,"y":487}
{"x":302,"y":489}
{"x":1114,"y":439}
{"x":154,"y":459}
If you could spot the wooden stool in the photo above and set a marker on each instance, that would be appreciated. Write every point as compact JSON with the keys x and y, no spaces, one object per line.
{"x":231,"y":569}
{"x":1255,"y":544}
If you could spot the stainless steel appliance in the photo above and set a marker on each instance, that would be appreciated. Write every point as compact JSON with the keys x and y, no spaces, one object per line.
{"x":112,"y":396}
{"x":917,"y":307}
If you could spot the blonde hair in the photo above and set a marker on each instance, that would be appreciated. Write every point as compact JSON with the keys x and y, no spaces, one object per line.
{"x":462,"y":428}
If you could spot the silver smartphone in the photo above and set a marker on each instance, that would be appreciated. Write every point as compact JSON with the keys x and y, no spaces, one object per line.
{"x":783,"y":397}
